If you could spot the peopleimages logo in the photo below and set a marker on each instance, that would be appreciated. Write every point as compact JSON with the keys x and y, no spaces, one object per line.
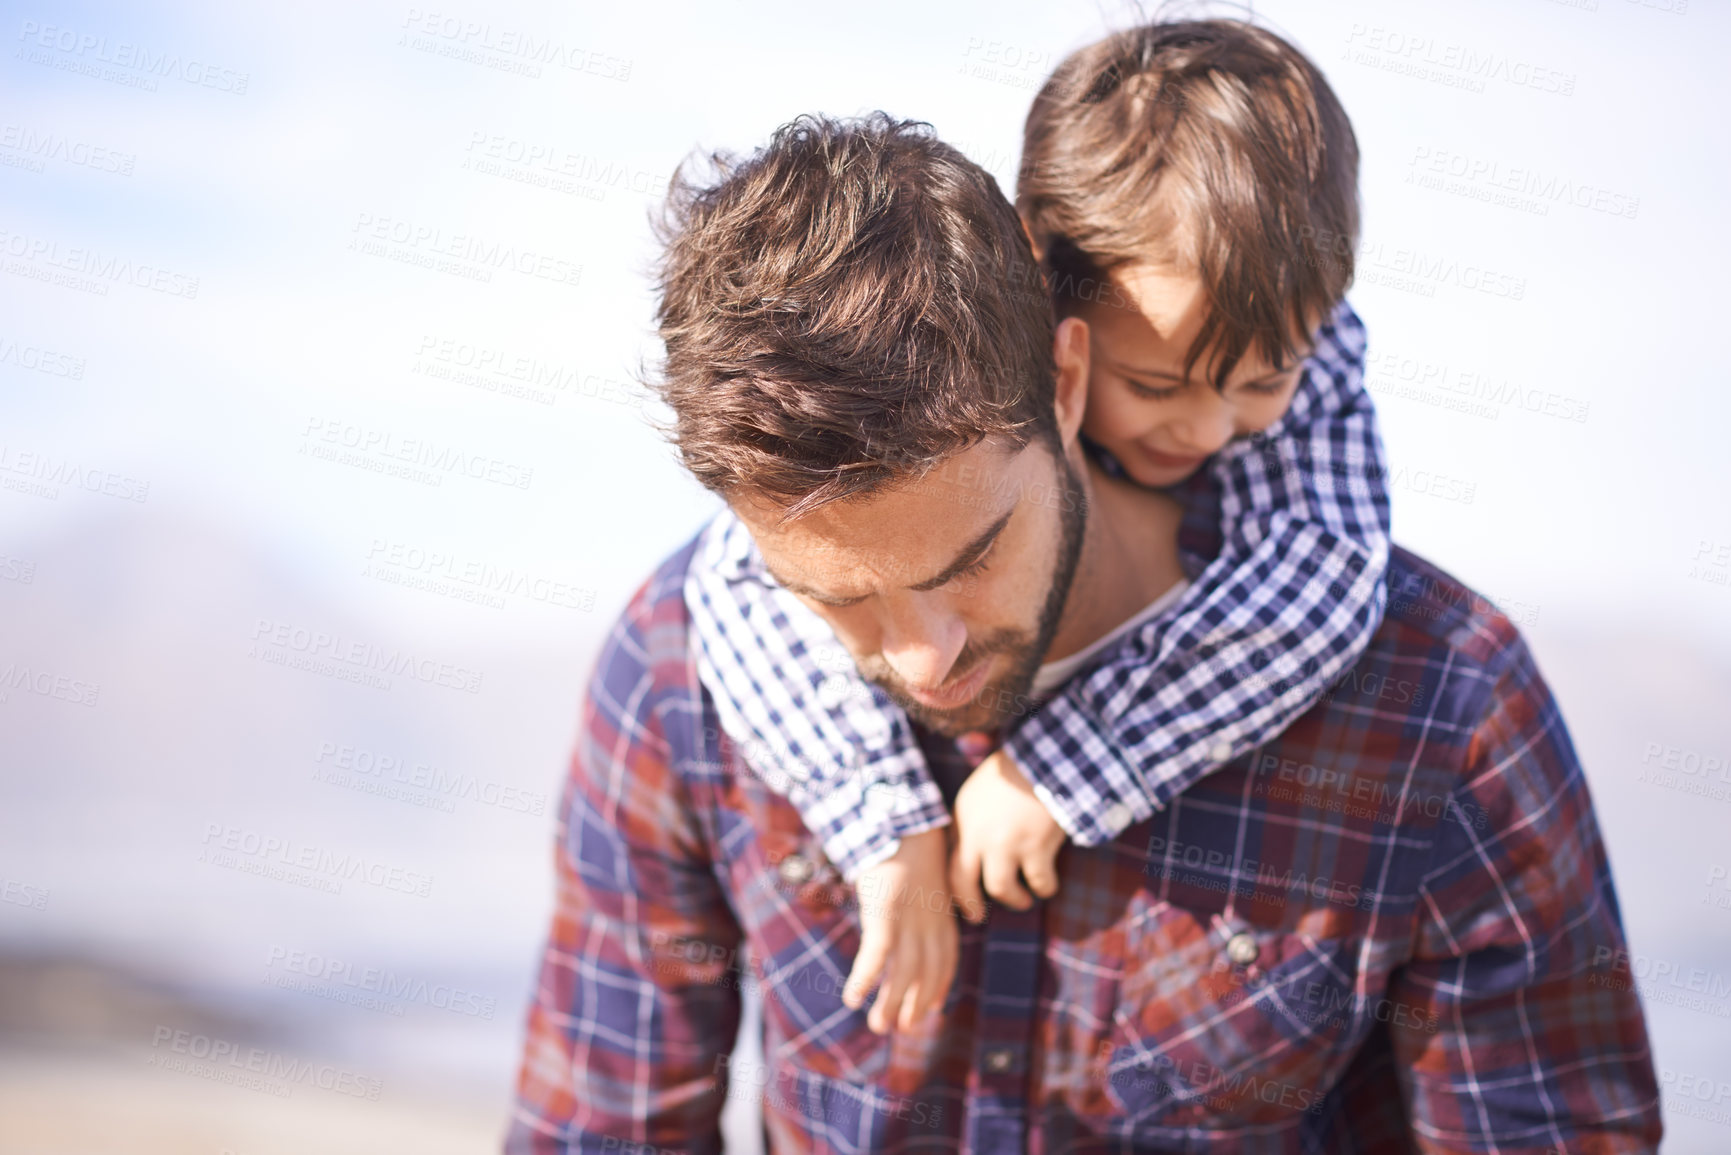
{"x":359,"y":767}
{"x":38,"y":147}
{"x":506,"y":49}
{"x":467,"y":254}
{"x":1435,"y":167}
{"x":81,"y":261}
{"x":47,"y":683}
{"x":304,"y":864}
{"x":320,"y":651}
{"x":369,"y":987}
{"x":85,"y":51}
{"x":332,"y":438}
{"x":46,"y":473}
{"x":223,"y":1061}
{"x":41,"y":360}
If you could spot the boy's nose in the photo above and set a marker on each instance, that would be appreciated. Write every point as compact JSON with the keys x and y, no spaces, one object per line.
{"x":1208,"y":431}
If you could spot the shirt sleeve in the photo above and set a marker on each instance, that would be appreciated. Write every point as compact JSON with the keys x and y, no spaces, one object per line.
{"x":1524,"y":1030}
{"x":788,"y":694}
{"x":1289,"y":603}
{"x":635,"y":1012}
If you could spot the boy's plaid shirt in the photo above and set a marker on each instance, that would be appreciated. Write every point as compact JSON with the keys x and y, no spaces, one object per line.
{"x":1392,"y":928}
{"x":1276,"y":617}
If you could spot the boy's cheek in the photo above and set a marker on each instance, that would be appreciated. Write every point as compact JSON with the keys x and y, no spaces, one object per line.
{"x":1115,"y":418}
{"x":1258,"y":414}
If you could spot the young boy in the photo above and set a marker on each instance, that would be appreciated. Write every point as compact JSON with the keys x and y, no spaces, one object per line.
{"x":1191,"y":192}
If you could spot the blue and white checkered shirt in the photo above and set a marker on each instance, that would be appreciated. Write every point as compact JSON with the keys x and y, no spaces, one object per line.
{"x":1288,"y":604}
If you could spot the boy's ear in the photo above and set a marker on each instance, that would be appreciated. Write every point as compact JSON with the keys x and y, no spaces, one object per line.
{"x":1070,"y":351}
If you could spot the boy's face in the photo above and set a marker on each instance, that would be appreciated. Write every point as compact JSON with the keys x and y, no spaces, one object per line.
{"x":1160,"y":426}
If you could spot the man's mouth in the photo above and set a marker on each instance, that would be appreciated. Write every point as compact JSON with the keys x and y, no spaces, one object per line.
{"x":954,"y":693}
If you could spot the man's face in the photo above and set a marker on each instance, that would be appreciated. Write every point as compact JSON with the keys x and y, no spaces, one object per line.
{"x":947,"y":589}
{"x":1159,"y":425}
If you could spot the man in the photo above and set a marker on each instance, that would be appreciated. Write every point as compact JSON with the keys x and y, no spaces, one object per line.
{"x":1377,"y":933}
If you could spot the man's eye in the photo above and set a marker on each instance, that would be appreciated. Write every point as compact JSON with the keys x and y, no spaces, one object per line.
{"x":973,"y":569}
{"x":977,"y":567}
{"x":832,"y":603}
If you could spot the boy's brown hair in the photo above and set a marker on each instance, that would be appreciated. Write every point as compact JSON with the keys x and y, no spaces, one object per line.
{"x":846,"y":308}
{"x":1211,"y":146}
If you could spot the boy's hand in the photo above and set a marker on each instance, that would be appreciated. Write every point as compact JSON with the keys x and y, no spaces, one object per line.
{"x":906,"y":924}
{"x":1002,"y":827}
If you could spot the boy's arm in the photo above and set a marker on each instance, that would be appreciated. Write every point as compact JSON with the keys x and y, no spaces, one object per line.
{"x":627,"y":1036}
{"x":1518,"y":1025}
{"x":790,"y":697}
{"x":1290,"y":602}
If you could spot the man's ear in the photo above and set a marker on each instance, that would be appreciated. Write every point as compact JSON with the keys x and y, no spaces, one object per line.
{"x":1070,"y":394}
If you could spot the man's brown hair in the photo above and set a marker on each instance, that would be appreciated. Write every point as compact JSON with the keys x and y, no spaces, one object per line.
{"x":847,"y":307}
{"x":1214,"y":147}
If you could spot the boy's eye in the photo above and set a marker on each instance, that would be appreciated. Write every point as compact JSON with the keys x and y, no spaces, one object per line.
{"x":1150,"y":393}
{"x":1272,"y":387}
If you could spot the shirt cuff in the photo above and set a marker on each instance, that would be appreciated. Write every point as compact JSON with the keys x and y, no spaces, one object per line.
{"x":860,"y":824}
{"x":1078,"y":775}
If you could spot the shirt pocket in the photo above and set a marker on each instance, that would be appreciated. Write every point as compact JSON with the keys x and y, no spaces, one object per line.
{"x":1219,"y":1023}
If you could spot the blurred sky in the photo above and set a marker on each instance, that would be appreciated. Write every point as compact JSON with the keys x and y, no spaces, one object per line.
{"x":1542,"y":276}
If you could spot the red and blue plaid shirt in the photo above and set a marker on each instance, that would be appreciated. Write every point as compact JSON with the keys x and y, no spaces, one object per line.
{"x":1392,"y":928}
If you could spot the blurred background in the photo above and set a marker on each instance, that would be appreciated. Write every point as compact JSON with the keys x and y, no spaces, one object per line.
{"x":323,"y":471}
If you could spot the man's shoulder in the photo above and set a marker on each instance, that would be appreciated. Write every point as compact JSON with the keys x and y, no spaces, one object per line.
{"x":1446,"y":682}
{"x":1442,"y":645}
{"x":650,"y":638}
{"x":1430,"y":608}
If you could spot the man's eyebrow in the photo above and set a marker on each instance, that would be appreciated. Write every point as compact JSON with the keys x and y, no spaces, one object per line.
{"x":794,"y":587}
{"x":969,"y":555}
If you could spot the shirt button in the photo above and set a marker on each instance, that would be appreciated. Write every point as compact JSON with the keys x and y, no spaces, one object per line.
{"x":795,"y":869}
{"x":1000,"y":1059}
{"x":1115,"y":817}
{"x":1242,"y":949}
{"x":1221,"y":752}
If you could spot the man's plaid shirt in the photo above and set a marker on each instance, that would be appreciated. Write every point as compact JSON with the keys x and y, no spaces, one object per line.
{"x":1283,"y":609}
{"x":1391,"y":928}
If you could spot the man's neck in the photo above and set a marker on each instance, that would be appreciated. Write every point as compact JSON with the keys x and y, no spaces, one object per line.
{"x":1129,"y":558}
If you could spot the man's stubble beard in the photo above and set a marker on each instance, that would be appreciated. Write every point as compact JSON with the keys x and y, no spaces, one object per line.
{"x":1007,"y":696}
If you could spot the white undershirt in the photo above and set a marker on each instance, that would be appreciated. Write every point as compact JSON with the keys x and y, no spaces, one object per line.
{"x":1051,"y":675}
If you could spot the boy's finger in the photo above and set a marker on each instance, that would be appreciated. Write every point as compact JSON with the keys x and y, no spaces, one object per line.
{"x":941,"y":972}
{"x":1041,"y":871}
{"x":914,"y":1004}
{"x":889,"y":1000}
{"x":868,"y":964}
{"x":919,"y":997}
{"x":965,"y":882}
{"x":1002,"y":882}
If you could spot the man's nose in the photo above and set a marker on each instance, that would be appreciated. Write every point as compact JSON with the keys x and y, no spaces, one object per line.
{"x":922,"y":639}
